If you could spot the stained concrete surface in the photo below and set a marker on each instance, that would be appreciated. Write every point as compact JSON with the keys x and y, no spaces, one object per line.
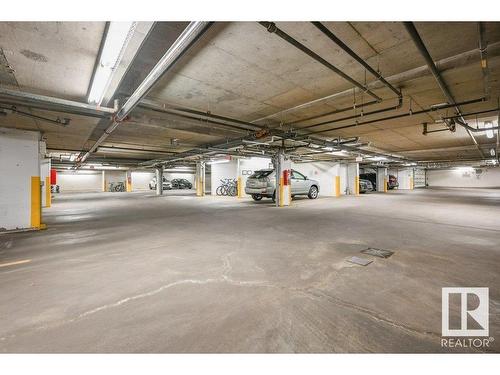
{"x":132,"y":272}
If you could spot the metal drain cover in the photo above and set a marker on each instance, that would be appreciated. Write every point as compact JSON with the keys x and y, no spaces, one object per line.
{"x":381,"y":253}
{"x":359,"y":261}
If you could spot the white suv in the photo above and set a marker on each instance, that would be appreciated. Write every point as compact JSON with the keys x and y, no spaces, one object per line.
{"x":262,"y":183}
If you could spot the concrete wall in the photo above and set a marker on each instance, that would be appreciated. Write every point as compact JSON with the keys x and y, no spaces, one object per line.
{"x":44,"y":173}
{"x":115,"y":176}
{"x":325,"y":173}
{"x":19,"y":161}
{"x":140,"y":180}
{"x":404,"y":176}
{"x":221,"y":171}
{"x":488,"y":178}
{"x":79,"y":181}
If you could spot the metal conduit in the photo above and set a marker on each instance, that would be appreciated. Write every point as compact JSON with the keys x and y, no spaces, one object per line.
{"x":356,"y":57}
{"x":272,"y":28}
{"x":410,"y":27}
{"x":401,"y":115}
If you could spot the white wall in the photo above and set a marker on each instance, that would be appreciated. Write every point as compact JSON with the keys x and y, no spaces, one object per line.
{"x":19,"y":161}
{"x":79,"y":181}
{"x":44,"y":172}
{"x":489,"y":178}
{"x":115,"y":176}
{"x":325,"y":173}
{"x":221,"y":171}
{"x":140,"y":180}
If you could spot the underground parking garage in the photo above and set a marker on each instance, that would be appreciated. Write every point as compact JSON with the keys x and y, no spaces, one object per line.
{"x":249,"y":187}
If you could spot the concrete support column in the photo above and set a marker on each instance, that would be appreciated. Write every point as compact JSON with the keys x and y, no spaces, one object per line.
{"x":159,"y":181}
{"x":352,"y":178}
{"x":200,"y":179}
{"x":20,"y":184}
{"x":382,"y":179}
{"x":128,"y":181}
{"x":45,"y":180}
{"x":104,"y":184}
{"x":283,"y":168}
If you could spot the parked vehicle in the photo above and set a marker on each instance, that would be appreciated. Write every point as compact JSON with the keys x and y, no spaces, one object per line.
{"x":262,"y":183}
{"x":365,"y":186}
{"x":181,"y":183}
{"x":167,"y":185}
{"x":392,"y":181}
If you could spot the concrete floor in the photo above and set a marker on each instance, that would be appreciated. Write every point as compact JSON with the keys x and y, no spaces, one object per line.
{"x":132,"y":272}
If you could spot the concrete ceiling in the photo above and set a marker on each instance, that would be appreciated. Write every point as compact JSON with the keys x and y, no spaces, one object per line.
{"x":240,"y":70}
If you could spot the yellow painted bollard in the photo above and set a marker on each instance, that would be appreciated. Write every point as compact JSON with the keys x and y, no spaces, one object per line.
{"x":411,"y":183}
{"x":337,"y":186}
{"x":36,"y":202}
{"x":240,"y":188}
{"x":48,"y":195}
{"x":385,"y":185}
{"x":356,"y":189}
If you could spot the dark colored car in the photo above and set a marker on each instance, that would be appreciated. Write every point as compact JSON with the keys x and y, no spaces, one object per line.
{"x":181,"y":183}
{"x":392,"y":182}
{"x":365,"y":186}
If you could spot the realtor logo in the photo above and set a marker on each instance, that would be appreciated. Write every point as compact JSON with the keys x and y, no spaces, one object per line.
{"x":471,"y":304}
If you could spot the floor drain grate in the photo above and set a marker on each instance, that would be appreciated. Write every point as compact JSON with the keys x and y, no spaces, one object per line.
{"x":381,"y":253}
{"x":359,"y":261}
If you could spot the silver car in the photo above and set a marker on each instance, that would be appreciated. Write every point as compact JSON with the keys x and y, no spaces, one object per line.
{"x":167,"y":185}
{"x":262,"y":183}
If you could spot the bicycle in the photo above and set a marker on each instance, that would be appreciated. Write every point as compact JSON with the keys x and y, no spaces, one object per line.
{"x":228,"y":187}
{"x":116,"y":186}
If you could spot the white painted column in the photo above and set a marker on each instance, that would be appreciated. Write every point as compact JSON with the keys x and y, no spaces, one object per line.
{"x":159,"y":181}
{"x":104,"y":184}
{"x":20,"y":190}
{"x":45,"y":180}
{"x":200,"y":179}
{"x":353,"y":178}
{"x":283,"y":168}
{"x":382,"y":179}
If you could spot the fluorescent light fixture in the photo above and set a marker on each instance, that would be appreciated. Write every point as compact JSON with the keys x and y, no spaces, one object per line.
{"x":339,"y":153}
{"x":492,"y":152}
{"x":377,"y":158}
{"x":439,"y":105}
{"x":487,"y":125}
{"x":72,"y":157}
{"x":328,"y":148}
{"x":117,"y":38}
{"x":218,"y":161}
{"x":465,"y":169}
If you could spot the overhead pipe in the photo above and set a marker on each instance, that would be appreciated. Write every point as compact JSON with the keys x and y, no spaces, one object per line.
{"x":356,"y":57}
{"x":58,"y":121}
{"x":358,"y":115}
{"x":272,"y":28}
{"x":50,"y":103}
{"x":460,"y":60}
{"x":483,"y":52}
{"x":334,"y":112}
{"x":401,"y":115}
{"x":189,"y":36}
{"x":410,"y":27}
{"x":197,"y":115}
